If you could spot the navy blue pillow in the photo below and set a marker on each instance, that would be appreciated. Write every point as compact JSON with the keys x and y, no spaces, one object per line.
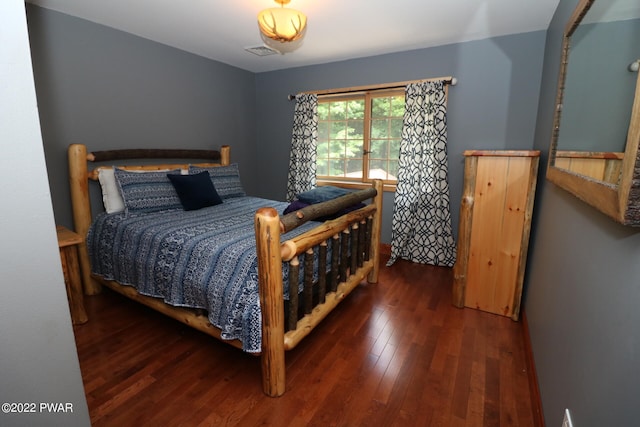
{"x":321,"y":194}
{"x":195,"y":191}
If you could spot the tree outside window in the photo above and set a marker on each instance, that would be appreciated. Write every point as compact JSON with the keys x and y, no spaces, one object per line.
{"x":359,"y":136}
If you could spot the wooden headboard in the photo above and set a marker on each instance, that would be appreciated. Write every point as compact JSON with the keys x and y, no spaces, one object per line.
{"x":80,"y":173}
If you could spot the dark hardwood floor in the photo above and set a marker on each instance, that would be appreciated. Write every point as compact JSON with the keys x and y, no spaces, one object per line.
{"x":396,"y":353}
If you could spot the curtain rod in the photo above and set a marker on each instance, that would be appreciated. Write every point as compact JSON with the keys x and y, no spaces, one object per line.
{"x":446,"y":80}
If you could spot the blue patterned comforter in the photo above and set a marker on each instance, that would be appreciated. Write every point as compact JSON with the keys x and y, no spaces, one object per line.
{"x":200,"y":259}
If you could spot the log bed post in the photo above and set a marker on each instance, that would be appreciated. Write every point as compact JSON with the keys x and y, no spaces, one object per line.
{"x":225,"y":155}
{"x":267,"y":230}
{"x":375,"y":238}
{"x":79,"y":186}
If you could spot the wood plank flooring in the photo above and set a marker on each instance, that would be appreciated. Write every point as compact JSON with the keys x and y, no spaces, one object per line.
{"x":396,"y":353}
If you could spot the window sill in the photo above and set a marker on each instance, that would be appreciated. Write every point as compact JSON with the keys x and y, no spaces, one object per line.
{"x":355,"y":185}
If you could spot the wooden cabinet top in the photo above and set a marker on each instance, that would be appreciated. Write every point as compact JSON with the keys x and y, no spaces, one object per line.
{"x":67,"y":237}
{"x":503,"y":153}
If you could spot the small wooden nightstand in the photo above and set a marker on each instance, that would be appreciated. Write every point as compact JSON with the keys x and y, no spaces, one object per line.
{"x":68,"y":242}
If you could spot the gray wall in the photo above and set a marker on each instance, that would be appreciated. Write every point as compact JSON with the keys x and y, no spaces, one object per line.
{"x":38,"y":360}
{"x":493,"y":106}
{"x":582,"y":290}
{"x":109,"y":89}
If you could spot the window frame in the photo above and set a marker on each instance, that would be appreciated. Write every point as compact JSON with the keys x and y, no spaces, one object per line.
{"x":367,"y":96}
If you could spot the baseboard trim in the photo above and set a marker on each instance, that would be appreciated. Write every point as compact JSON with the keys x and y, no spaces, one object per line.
{"x":534,"y":388}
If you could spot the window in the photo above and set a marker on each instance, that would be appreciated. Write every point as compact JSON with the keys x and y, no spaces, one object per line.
{"x":359,"y":136}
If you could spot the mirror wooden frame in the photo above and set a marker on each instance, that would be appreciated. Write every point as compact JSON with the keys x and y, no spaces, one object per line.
{"x":622,"y":201}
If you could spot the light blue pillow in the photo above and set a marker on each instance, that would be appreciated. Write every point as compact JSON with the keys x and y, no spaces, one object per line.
{"x":321,"y":194}
{"x":147,"y":192}
{"x":226,"y":179}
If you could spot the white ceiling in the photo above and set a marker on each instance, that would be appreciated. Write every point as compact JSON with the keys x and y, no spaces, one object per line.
{"x":336,"y":29}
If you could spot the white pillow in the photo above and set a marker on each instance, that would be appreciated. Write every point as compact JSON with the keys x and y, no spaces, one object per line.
{"x":111,"y":197}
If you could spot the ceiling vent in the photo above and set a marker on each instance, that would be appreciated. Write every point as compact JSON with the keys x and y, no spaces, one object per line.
{"x":261,"y":50}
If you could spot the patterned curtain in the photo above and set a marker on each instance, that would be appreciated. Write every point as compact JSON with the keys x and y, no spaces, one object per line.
{"x":304,"y":141}
{"x":421,"y":225}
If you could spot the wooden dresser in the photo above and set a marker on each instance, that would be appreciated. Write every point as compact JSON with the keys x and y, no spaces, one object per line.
{"x":493,"y":234}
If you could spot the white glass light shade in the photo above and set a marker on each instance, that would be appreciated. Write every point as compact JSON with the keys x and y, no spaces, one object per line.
{"x":282,"y":26}
{"x":283,"y":47}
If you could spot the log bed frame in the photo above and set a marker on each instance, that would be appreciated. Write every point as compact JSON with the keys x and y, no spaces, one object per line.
{"x":356,"y":233}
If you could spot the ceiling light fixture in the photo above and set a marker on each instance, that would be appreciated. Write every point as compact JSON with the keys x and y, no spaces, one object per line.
{"x":282,"y":28}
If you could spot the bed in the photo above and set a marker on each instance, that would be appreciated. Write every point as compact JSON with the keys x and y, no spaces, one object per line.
{"x":235,"y":267}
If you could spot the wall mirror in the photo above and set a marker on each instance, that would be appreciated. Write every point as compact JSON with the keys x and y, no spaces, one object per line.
{"x":596,"y":129}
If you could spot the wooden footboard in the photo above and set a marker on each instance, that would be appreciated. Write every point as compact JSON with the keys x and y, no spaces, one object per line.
{"x":353,"y":241}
